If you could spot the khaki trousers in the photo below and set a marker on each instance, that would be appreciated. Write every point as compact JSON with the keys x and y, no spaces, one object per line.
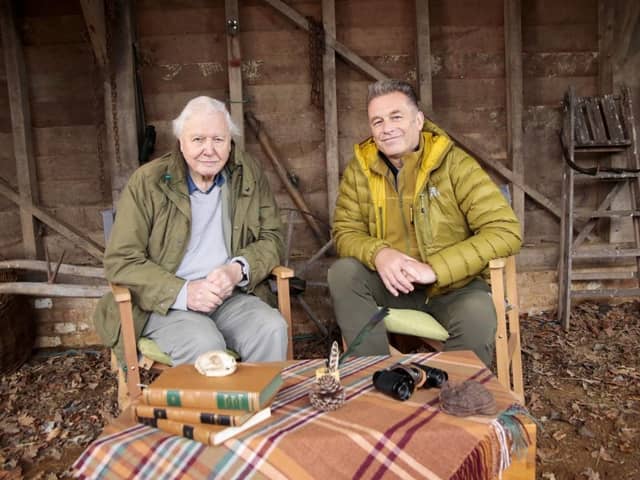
{"x":467,"y":313}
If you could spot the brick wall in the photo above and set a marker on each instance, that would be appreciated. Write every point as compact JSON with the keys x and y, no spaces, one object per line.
{"x":65,"y":322}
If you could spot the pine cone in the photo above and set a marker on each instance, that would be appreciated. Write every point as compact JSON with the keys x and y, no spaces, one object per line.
{"x":327,"y":394}
{"x":467,"y":398}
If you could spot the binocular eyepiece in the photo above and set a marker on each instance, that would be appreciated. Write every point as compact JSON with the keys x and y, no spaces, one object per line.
{"x":400,"y":381}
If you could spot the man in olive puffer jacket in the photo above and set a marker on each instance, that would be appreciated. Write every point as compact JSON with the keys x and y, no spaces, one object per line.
{"x":417,"y":220}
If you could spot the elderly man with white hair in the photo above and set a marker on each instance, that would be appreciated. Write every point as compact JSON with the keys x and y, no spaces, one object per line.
{"x":197,"y":232}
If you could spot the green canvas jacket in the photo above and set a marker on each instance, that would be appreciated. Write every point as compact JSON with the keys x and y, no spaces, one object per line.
{"x":152,"y":231}
{"x":461,"y":218}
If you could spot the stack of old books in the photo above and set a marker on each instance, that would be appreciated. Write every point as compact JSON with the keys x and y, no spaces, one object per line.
{"x":210,"y":410}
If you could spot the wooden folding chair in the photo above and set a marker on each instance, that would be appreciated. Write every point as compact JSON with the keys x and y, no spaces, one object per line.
{"x":129,"y":376}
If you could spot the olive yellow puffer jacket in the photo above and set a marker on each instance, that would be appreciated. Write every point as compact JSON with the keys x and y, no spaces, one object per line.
{"x":461,"y":218}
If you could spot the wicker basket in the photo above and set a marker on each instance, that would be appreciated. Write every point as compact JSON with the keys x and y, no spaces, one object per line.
{"x":17,"y":328}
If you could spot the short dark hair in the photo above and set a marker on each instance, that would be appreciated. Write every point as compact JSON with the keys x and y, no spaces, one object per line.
{"x":391,"y":85}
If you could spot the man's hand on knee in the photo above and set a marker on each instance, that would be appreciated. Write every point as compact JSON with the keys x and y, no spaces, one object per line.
{"x":389,"y":264}
{"x":201,"y":296}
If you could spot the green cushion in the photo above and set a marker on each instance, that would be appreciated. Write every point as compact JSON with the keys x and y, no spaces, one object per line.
{"x":415,"y":322}
{"x":151,"y":350}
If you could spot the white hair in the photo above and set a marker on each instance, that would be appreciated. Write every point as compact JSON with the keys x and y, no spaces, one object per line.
{"x":203,"y":104}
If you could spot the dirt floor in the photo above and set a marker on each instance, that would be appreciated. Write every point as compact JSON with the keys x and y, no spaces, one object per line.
{"x":583,"y":386}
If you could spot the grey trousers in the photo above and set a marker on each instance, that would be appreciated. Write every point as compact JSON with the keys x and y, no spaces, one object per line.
{"x":243,"y":323}
{"x":467,"y":313}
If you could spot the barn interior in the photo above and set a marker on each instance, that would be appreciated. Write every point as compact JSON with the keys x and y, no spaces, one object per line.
{"x":88,"y":90}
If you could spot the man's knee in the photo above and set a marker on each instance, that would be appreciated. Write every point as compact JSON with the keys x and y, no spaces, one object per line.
{"x":343,"y":272}
{"x":270,"y":339}
{"x":273,"y":323}
{"x":197,"y":335}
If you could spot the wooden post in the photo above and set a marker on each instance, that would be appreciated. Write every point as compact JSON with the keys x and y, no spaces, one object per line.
{"x":93,"y":13}
{"x":330,"y":108}
{"x":234,"y":65}
{"x":21,"y":124}
{"x":120,"y":99}
{"x":423,"y":52}
{"x":620,"y":229}
{"x":605,"y":46}
{"x":513,"y":68}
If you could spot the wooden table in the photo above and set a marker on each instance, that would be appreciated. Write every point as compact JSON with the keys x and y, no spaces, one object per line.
{"x":371,"y":436}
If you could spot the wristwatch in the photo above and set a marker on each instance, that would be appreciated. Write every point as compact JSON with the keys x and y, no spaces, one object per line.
{"x":245,"y":273}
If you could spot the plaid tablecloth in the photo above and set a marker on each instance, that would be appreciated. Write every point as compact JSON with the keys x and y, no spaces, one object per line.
{"x":371,"y":436}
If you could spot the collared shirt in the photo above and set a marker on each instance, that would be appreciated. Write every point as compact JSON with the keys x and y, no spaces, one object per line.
{"x":218,"y":181}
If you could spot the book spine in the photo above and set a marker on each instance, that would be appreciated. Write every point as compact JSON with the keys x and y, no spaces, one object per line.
{"x":247,"y":401}
{"x":191,"y":416}
{"x":180,"y":429}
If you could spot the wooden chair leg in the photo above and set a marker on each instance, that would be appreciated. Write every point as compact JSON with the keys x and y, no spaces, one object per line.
{"x":114,"y":362}
{"x":123,"y":299}
{"x":283,"y":274}
{"x":515,"y":349}
{"x":498,"y":295}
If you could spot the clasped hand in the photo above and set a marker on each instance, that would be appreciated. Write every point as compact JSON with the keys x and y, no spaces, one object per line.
{"x":399,"y":271}
{"x":207,"y":294}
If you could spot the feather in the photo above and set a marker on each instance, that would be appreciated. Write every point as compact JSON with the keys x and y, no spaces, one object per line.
{"x":364,"y":331}
{"x":334,"y":357}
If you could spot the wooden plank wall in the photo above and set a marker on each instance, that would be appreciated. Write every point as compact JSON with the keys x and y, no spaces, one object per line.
{"x":560,"y":48}
{"x":67,"y":115}
{"x":10,"y":233}
{"x":182,"y":48}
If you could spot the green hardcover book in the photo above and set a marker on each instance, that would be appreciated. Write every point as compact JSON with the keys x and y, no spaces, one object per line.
{"x":207,"y":434}
{"x":250,"y":388}
{"x":228,"y":418}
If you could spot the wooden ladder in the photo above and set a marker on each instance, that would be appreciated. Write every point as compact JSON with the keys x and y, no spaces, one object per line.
{"x":594,"y":128}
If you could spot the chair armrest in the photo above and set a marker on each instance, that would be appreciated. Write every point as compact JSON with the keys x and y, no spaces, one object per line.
{"x":281,"y":272}
{"x":497,"y":263}
{"x":120,"y":293}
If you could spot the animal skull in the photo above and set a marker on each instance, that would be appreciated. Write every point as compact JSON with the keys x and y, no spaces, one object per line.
{"x":216,"y":363}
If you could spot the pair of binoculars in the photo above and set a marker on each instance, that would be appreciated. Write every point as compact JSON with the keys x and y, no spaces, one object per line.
{"x":400,"y":381}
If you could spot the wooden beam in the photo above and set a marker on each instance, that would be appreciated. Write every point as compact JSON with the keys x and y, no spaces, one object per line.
{"x":423,"y":52}
{"x":120,"y":98}
{"x":63,"y":229}
{"x":93,"y":13}
{"x":53,"y":289}
{"x":330,"y":97}
{"x":471,"y":146}
{"x":619,"y":228}
{"x":330,"y":41}
{"x":514,"y":81}
{"x":18,"y":90}
{"x":234,"y":66}
{"x":64,"y":269}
